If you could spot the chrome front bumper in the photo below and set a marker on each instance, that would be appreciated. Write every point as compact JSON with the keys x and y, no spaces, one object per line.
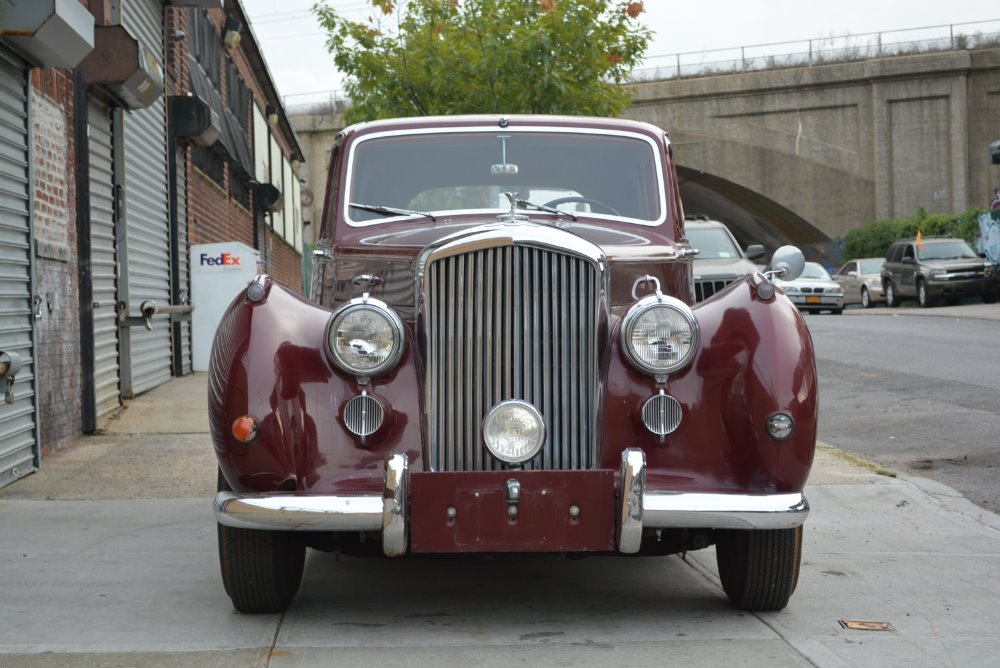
{"x":641,"y":509}
{"x":288,"y":512}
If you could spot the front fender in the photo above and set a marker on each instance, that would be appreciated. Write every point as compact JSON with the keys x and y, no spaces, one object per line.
{"x":755,"y":358}
{"x":269,"y":362}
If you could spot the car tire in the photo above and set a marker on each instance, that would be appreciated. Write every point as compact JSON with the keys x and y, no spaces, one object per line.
{"x":923,"y":297}
{"x":837,"y":311}
{"x":891,"y":298}
{"x":759,"y":568}
{"x":261,"y":570}
{"x":866,"y":299}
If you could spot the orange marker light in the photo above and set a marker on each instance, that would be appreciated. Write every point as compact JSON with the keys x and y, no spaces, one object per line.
{"x":245,"y":429}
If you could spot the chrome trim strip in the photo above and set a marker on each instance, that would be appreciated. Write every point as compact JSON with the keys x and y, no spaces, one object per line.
{"x":666,"y":510}
{"x":295,"y":512}
{"x":300,"y":512}
{"x":490,"y":127}
{"x":394,"y":502}
{"x":633,"y":479}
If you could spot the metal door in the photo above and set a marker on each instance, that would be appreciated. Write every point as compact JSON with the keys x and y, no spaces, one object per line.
{"x":183,"y":327}
{"x":19,"y":451}
{"x":143,"y":240}
{"x":103,"y":259}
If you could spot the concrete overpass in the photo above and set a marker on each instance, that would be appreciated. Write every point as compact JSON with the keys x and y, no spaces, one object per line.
{"x":805,"y":154}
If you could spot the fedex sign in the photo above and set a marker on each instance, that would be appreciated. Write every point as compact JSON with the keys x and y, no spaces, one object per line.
{"x":224,"y":260}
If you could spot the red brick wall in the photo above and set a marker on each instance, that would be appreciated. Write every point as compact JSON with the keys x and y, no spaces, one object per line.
{"x":212,"y":215}
{"x":57,"y":330}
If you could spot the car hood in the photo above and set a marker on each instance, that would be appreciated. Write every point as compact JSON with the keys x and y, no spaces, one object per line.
{"x":953,"y":265}
{"x":807,"y":283}
{"x":631,"y":241}
{"x":722,"y":268}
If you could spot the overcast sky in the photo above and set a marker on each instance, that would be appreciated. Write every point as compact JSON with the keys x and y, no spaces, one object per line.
{"x":304,"y":72}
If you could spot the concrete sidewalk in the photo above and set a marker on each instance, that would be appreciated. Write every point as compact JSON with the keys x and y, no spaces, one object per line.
{"x":110,"y":559}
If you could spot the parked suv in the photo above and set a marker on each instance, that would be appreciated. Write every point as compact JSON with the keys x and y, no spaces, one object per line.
{"x":935,"y":268}
{"x":720,"y":260}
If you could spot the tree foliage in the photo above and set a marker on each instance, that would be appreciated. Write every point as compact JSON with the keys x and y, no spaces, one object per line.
{"x":422,"y":57}
{"x":874,"y":240}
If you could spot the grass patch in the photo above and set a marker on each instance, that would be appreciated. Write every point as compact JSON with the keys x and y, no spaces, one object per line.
{"x":861,"y":462}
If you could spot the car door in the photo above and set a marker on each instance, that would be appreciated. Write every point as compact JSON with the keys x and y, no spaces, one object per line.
{"x":850,"y":281}
{"x":908,"y":271}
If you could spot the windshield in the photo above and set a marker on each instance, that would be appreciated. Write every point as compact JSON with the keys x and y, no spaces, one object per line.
{"x":581,"y":173}
{"x":712,"y":244}
{"x":945,"y":250}
{"x":815,"y":271}
{"x":872,"y":266}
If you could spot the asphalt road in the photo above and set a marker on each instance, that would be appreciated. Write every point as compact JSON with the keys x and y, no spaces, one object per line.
{"x":917,"y":393}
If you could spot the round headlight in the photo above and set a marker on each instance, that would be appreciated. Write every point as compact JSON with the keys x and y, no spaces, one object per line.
{"x":365,"y":337}
{"x":659,"y":335}
{"x":513,"y":431}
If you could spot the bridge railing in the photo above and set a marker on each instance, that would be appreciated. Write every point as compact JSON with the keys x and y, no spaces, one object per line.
{"x":800,"y":53}
{"x":821,"y":50}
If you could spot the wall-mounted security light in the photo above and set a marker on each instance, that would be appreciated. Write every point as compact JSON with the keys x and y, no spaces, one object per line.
{"x":296,"y":162}
{"x":231,"y":32}
{"x":271,"y":113}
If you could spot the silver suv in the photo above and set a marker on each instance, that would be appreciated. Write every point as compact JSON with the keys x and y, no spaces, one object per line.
{"x":720,"y":260}
{"x":935,"y":268}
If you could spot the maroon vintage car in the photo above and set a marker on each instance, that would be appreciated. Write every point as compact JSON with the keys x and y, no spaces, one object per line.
{"x":502,"y":356}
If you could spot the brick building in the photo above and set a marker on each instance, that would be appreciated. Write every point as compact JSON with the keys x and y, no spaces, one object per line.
{"x":130,"y":130}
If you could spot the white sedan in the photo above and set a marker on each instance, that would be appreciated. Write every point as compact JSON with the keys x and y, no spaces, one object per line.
{"x":814,"y":290}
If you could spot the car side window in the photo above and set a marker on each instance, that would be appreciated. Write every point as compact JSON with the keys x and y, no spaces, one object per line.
{"x":908,"y":252}
{"x":848,"y":268}
{"x":893,"y":254}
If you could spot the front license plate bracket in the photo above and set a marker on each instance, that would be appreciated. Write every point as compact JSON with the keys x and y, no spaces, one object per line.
{"x":557,"y":511}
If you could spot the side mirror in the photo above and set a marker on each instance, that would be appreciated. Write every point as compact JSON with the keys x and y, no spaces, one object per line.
{"x":909,"y":260}
{"x":787,"y":263}
{"x":754,"y":251}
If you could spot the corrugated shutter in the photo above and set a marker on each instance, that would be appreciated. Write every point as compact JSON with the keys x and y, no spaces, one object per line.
{"x":103,"y":261}
{"x":145,"y":254}
{"x":18,"y":431}
{"x":183,"y":259}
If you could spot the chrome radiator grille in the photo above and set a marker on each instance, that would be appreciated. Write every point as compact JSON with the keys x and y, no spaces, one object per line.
{"x":511,"y":323}
{"x":705,"y":289}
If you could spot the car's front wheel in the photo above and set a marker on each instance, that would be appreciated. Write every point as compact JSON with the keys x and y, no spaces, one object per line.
{"x":891,"y":298}
{"x":923,"y":296}
{"x":261,"y":570}
{"x":759,"y":568}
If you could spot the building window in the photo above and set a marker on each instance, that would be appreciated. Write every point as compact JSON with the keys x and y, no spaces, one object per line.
{"x":205,"y":44}
{"x":210,"y":163}
{"x":239,"y":187}
{"x":237,"y":97}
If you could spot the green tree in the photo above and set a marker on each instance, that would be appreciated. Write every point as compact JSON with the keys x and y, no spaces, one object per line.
{"x":422,"y":57}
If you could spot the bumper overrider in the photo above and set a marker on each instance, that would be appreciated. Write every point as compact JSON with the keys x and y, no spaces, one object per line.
{"x":638,"y":509}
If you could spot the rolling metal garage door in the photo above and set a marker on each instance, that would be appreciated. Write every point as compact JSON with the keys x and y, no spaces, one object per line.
{"x":103,"y":260}
{"x":183,"y":261}
{"x":144,"y":252}
{"x":19,"y":451}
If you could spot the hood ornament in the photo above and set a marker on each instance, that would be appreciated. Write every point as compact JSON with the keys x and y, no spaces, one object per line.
{"x":511,"y":215}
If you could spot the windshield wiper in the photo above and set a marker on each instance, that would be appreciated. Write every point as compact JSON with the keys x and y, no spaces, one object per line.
{"x":392,"y":211}
{"x":547,"y":209}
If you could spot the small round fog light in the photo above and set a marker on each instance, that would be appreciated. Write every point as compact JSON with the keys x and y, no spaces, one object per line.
{"x":513,"y":431}
{"x":765,"y":291}
{"x":780,"y":426}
